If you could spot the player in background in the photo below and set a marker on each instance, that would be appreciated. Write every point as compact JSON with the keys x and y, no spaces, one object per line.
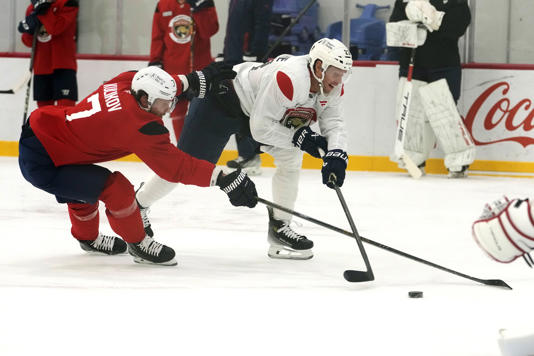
{"x":505,"y":230}
{"x":275,"y":103}
{"x":181,"y":32}
{"x":59,"y":146}
{"x":436,"y":82}
{"x":54,"y":68}
{"x":247,"y":40}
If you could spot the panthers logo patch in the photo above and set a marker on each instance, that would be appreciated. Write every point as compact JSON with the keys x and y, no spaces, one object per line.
{"x":43,"y":35}
{"x":181,"y":28}
{"x":298,"y":117}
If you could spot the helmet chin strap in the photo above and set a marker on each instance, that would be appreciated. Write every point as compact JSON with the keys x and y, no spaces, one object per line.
{"x":319,"y":80}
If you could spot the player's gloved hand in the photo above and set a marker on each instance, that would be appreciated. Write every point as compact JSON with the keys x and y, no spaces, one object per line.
{"x":156,"y":64}
{"x":334,"y":162}
{"x":425,"y":13}
{"x":309,"y":141}
{"x":239,"y":188}
{"x":201,"y":81}
{"x":29,"y":24}
{"x":40,"y":6}
{"x":200,"y":4}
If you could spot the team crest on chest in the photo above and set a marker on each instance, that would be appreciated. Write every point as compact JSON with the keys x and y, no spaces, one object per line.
{"x":181,"y":28}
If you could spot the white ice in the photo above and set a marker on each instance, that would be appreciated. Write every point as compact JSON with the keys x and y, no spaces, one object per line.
{"x":226,"y":297}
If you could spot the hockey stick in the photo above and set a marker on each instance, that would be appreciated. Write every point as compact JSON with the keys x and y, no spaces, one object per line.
{"x":352,"y":275}
{"x":287,"y":29}
{"x":488,"y":282}
{"x":32,"y":57}
{"x":414,"y":171}
{"x":17,"y":87}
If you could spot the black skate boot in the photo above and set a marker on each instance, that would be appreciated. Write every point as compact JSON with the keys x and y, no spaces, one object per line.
{"x":462,"y":173}
{"x":109,"y":245}
{"x":151,"y":252}
{"x":144,"y":215}
{"x":251,"y":166}
{"x":286,"y":243}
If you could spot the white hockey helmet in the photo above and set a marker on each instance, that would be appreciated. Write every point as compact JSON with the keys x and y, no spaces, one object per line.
{"x":330,"y":52}
{"x":156,"y":83}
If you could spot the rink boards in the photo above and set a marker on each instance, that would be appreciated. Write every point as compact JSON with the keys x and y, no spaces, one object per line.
{"x":496,"y":103}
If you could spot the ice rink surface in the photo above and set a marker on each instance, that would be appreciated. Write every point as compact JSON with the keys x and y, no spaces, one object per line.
{"x":226,"y":297}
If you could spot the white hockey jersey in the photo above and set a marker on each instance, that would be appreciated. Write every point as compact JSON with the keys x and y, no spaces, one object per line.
{"x":274,"y":94}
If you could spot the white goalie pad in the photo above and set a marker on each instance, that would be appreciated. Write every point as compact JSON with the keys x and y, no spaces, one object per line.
{"x":448,"y":126}
{"x":405,"y":34}
{"x":419,"y":139}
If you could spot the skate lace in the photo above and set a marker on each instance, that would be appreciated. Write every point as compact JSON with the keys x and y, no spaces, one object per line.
{"x":144,"y":216}
{"x":286,"y":230}
{"x":151,"y":247}
{"x":104,"y":242}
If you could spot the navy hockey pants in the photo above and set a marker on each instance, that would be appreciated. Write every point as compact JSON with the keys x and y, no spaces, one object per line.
{"x":69,"y":183}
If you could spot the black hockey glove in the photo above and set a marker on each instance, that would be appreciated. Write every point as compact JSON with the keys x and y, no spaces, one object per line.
{"x":201,"y":81}
{"x":309,"y":141}
{"x":334,"y":162}
{"x":200,"y":4}
{"x":29,"y":24}
{"x":239,"y":188}
{"x":155,"y":64}
{"x":40,"y":6}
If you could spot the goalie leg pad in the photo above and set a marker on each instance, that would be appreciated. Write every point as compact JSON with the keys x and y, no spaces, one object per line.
{"x":448,"y":126}
{"x":419,"y":138}
{"x":505,"y":231}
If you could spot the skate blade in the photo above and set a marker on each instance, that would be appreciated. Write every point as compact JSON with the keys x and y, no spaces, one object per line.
{"x":282,"y":253}
{"x":146,"y":262}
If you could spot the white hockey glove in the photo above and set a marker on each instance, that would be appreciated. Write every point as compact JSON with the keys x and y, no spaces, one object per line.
{"x":405,"y":34}
{"x":505,"y":230}
{"x":425,"y":13}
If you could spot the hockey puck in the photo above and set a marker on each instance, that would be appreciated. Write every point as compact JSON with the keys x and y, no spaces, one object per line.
{"x":415,"y":294}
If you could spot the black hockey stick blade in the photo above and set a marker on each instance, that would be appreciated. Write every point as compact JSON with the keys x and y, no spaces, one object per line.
{"x":358,"y":276}
{"x":495,"y":283}
{"x":9,"y":91}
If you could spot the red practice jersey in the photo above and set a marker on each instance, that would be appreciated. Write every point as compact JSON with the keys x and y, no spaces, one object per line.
{"x":56,"y":42}
{"x":110,"y":124}
{"x":173,"y":40}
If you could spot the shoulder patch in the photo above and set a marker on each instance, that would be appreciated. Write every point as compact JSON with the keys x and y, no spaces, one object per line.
{"x":153,"y":128}
{"x":285,"y":85}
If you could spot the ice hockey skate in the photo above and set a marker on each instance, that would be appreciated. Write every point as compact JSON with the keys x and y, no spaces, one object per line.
{"x":148,"y":251}
{"x":286,"y":243}
{"x":251,"y":166}
{"x":109,"y":245}
{"x":462,"y":173}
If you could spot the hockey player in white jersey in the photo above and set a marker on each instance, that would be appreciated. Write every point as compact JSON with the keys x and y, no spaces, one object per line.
{"x":275,"y":103}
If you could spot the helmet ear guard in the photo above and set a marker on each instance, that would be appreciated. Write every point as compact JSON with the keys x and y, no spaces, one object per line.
{"x":155,"y":83}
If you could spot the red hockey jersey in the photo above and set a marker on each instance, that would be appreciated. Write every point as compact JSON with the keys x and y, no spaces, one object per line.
{"x":56,"y":43}
{"x":110,"y":124}
{"x":176,"y":32}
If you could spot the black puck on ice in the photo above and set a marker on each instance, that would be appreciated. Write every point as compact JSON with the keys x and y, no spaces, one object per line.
{"x":415,"y":294}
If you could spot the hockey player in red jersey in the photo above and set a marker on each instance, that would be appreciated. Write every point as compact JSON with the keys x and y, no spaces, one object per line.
{"x":275,"y":104}
{"x":54,"y":65}
{"x":181,"y":32}
{"x":59,"y":146}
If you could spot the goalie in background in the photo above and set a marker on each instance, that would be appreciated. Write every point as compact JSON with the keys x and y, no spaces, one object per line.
{"x":54,"y":68}
{"x":436,"y":83}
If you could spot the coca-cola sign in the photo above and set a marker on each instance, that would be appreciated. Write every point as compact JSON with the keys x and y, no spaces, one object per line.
{"x":502,"y":120}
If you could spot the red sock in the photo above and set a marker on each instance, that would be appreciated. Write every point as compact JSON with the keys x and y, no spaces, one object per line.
{"x":121,"y":208}
{"x":66,"y":102}
{"x":42,"y":103}
{"x":85,"y":220}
